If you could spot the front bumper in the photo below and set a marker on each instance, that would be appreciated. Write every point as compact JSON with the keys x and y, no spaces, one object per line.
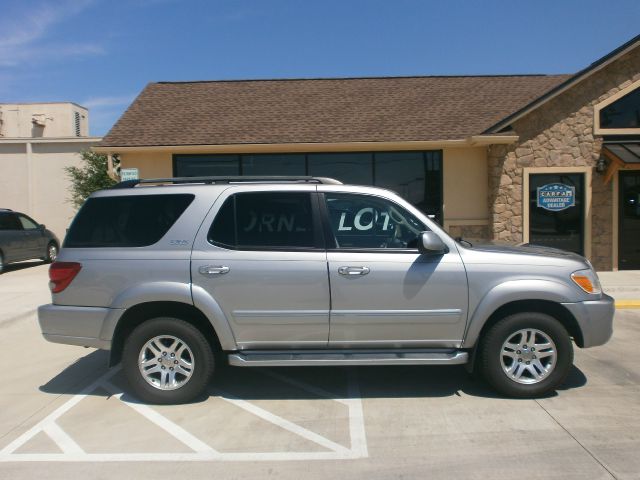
{"x":595,"y":319}
{"x":77,"y":325}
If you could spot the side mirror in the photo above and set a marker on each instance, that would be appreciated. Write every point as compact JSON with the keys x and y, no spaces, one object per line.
{"x":430,"y":243}
{"x":43,"y":226}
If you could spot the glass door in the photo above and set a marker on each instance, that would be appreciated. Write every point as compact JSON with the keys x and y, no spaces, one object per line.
{"x":629,"y":224}
{"x":556,"y":211}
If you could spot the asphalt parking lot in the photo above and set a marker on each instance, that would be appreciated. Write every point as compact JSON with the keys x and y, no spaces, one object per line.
{"x":63,"y":413}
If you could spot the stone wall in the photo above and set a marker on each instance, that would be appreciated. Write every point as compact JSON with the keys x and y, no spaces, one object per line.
{"x":559,"y":134}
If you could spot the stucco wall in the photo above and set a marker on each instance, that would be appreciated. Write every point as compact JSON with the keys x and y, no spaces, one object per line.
{"x":466,"y":186}
{"x":58,"y":120}
{"x":39,"y":187}
{"x":559,"y":134}
{"x":149,"y":164}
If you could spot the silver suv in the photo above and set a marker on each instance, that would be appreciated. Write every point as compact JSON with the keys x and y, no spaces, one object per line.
{"x":175,"y":275}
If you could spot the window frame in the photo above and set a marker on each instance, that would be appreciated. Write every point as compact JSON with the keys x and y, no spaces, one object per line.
{"x":330,"y":239}
{"x":597,"y":129}
{"x":316,"y":225}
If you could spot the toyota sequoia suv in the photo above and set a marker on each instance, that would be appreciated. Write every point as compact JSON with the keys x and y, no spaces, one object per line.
{"x":175,"y":275}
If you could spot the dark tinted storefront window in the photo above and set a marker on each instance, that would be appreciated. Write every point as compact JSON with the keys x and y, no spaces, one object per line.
{"x":273,"y":165}
{"x":206,"y":165}
{"x":264,"y":220}
{"x":415,"y":176}
{"x":556,"y":211}
{"x":623,"y":113}
{"x":353,"y":168}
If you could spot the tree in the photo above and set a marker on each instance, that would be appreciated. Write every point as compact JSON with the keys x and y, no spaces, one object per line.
{"x":89,"y":177}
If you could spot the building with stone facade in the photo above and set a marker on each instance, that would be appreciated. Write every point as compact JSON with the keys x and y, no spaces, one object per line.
{"x":545,"y":159}
{"x":37,"y":141}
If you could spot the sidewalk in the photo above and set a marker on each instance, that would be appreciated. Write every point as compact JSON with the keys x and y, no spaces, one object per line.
{"x":624,"y":286}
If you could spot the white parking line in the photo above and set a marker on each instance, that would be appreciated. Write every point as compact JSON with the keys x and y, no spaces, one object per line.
{"x":64,"y":441}
{"x":283,"y":423}
{"x":72,"y":452}
{"x":167,"y":425}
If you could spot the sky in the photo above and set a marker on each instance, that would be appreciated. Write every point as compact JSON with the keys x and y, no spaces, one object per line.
{"x":101,"y":53}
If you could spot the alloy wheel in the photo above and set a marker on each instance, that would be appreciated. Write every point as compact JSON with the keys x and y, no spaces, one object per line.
{"x":528,"y":356}
{"x":166,"y":362}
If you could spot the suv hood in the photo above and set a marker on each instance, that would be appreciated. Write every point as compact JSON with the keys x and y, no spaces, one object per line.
{"x":527,"y":250}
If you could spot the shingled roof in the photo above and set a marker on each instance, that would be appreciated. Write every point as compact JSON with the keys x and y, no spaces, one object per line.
{"x":387,"y":109}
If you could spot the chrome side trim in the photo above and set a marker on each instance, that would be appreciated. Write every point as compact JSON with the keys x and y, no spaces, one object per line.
{"x":279,"y":313}
{"x":397,"y":313}
{"x":334,"y":357}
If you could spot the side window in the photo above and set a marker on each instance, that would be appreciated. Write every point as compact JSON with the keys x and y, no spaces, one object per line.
{"x":125,"y":221}
{"x":264,"y":220}
{"x":367,"y":222}
{"x":9,"y":221}
{"x":27,"y":223}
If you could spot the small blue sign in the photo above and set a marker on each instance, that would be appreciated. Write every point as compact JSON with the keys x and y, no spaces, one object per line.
{"x":556,"y":197}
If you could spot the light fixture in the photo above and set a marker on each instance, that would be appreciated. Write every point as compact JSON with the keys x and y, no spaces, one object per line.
{"x":601,"y":165}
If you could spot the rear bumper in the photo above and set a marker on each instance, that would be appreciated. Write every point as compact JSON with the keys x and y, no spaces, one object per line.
{"x":76,"y":325}
{"x":595,"y":319}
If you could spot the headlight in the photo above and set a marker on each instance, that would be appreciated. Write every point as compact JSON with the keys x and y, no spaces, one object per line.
{"x":587,"y":280}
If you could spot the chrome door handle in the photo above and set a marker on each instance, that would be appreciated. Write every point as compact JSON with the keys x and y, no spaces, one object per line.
{"x":211,"y":270}
{"x":353,"y":271}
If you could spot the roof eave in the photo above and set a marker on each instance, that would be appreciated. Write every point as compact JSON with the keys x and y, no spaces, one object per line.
{"x":472,"y":141}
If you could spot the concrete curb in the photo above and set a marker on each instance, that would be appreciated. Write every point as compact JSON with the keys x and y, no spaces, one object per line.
{"x":622,"y":304}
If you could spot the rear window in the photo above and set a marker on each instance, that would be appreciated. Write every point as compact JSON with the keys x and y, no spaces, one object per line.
{"x":128,"y":221}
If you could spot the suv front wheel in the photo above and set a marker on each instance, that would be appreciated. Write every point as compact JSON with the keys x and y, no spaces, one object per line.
{"x":526,"y":354}
{"x":167,"y":361}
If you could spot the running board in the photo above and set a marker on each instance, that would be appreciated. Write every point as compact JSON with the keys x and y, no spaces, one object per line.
{"x":253,"y":358}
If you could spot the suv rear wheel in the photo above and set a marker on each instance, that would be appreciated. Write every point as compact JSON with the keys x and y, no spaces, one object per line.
{"x":167,"y":360}
{"x":526,"y":354}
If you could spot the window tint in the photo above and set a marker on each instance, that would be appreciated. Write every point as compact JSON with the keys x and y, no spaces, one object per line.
{"x":127,"y":221}
{"x":290,"y":164}
{"x":27,"y":223}
{"x":9,"y":221}
{"x":623,"y":113}
{"x":264,"y":220}
{"x":415,"y":176}
{"x":204,"y":165}
{"x":352,"y":168}
{"x":366,"y":222}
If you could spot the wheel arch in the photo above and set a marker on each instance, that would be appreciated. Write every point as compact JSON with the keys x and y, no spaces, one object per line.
{"x":138,"y":314}
{"x":551,"y":308}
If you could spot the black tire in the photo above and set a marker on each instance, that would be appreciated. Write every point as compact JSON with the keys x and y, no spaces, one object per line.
{"x":49,"y":256}
{"x":203,"y":360}
{"x":491,"y":358}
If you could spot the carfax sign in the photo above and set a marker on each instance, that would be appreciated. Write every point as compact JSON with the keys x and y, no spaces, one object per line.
{"x":556,"y":197}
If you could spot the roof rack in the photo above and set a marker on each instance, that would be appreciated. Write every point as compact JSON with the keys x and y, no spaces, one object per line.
{"x":226,"y":180}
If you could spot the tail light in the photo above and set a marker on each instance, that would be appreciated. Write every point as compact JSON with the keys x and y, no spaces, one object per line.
{"x":61,"y":274}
